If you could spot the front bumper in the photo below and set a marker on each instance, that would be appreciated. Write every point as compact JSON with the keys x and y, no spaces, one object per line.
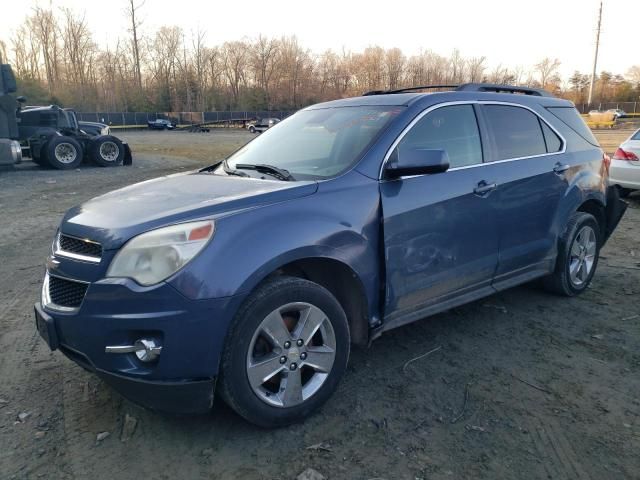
{"x":118,"y":312}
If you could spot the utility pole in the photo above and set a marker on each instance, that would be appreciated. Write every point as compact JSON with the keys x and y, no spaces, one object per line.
{"x":595,"y":57}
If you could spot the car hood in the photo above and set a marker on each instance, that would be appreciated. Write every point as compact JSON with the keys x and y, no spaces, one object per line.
{"x":117,"y":216}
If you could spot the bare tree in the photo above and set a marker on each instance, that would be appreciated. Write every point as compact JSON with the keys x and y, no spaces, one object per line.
{"x":132,"y":12}
{"x":547,"y":68}
{"x":234,"y":59}
{"x":46,"y":31}
{"x":394,"y":62}
{"x":264,"y":58}
{"x":633,"y":74}
{"x":476,"y":68}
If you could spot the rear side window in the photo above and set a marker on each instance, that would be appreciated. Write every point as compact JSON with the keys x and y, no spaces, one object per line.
{"x":453,"y":129}
{"x":573,"y":120}
{"x":516,"y":131}
{"x":554,"y":144}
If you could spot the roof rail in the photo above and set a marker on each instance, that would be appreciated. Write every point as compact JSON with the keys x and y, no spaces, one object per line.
{"x":409,"y":89}
{"x":496,"y":88}
{"x":469,"y":87}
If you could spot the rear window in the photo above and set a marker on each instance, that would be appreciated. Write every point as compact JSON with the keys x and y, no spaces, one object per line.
{"x":516,"y":130}
{"x":573,"y":120}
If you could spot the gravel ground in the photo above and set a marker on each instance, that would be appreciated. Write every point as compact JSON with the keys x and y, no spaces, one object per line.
{"x":522,"y":384}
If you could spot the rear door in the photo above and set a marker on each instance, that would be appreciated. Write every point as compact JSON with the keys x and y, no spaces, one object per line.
{"x":531,"y":181}
{"x":440,"y":230}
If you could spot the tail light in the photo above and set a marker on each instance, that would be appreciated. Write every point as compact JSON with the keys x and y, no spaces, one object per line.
{"x":625,"y":155}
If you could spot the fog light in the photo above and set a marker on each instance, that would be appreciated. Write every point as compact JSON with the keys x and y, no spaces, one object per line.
{"x":145,"y":349}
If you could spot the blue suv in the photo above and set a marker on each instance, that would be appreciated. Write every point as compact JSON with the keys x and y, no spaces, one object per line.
{"x":252,"y":278}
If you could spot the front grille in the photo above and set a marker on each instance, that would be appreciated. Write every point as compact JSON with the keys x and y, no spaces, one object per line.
{"x":77,"y":246}
{"x":66,"y":293}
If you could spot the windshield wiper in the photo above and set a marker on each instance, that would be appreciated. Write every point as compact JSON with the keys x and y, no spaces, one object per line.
{"x":279,"y":173}
{"x":230,"y":171}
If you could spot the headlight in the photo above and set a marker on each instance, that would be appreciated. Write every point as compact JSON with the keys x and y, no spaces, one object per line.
{"x":154,"y":256}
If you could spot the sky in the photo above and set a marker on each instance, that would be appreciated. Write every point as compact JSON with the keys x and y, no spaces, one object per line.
{"x":509,"y":33}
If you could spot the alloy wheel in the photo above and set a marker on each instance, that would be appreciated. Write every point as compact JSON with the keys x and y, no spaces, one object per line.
{"x":582,"y":256}
{"x":291,"y":354}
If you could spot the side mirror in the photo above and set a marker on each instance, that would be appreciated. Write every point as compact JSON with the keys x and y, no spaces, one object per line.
{"x":416,"y":161}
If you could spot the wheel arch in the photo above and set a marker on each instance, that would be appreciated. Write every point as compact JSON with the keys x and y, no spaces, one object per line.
{"x":596,"y":208}
{"x":340,"y":280}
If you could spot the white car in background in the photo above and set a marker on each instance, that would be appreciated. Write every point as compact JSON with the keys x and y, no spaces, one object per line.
{"x":625,"y":165}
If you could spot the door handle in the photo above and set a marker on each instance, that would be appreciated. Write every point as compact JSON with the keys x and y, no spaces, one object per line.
{"x":483,"y":188}
{"x":560,"y":168}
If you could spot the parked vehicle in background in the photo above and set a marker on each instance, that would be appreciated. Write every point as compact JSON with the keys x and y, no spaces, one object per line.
{"x":51,"y":136}
{"x":625,"y":165}
{"x":252,"y":278}
{"x":10,"y":151}
{"x":94,"y":128}
{"x":262,"y":124}
{"x":595,"y":112}
{"x":617,"y":113}
{"x":161,"y":124}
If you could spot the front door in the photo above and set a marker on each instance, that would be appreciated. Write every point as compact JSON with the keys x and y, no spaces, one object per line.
{"x":440,"y":230}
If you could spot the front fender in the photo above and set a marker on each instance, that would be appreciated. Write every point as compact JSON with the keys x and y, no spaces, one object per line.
{"x":340,"y":221}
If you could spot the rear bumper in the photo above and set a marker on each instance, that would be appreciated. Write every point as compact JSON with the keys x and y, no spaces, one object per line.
{"x":625,"y":174}
{"x":615,"y":210}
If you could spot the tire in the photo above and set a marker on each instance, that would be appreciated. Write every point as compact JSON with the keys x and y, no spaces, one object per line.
{"x":106,"y":151}
{"x":63,"y":153}
{"x":252,"y":129}
{"x":578,"y":253}
{"x":278,"y":306}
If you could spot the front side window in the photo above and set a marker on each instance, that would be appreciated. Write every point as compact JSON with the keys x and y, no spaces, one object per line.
{"x":317,"y":144}
{"x":453,"y":129}
{"x":516,"y":131}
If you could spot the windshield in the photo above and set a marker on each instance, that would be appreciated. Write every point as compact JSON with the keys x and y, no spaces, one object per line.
{"x":317,"y":144}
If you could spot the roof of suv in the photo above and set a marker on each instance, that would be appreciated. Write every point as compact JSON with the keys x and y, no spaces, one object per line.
{"x":479,"y":91}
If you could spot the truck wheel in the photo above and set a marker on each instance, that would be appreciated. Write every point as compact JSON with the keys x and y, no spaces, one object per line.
{"x":62,"y":152}
{"x":578,"y":252}
{"x":285,"y":352}
{"x":106,"y":151}
{"x":252,"y":129}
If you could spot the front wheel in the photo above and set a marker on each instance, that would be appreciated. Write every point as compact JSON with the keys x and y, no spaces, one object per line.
{"x":578,"y":253}
{"x":285,"y":353}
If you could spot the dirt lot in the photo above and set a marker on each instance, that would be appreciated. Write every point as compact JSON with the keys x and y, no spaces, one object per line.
{"x":522,"y":384}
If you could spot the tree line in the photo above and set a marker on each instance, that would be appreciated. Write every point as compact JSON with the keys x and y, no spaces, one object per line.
{"x":57,"y":60}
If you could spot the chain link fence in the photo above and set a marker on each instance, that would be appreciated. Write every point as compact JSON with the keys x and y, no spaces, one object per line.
{"x":136,"y":119}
